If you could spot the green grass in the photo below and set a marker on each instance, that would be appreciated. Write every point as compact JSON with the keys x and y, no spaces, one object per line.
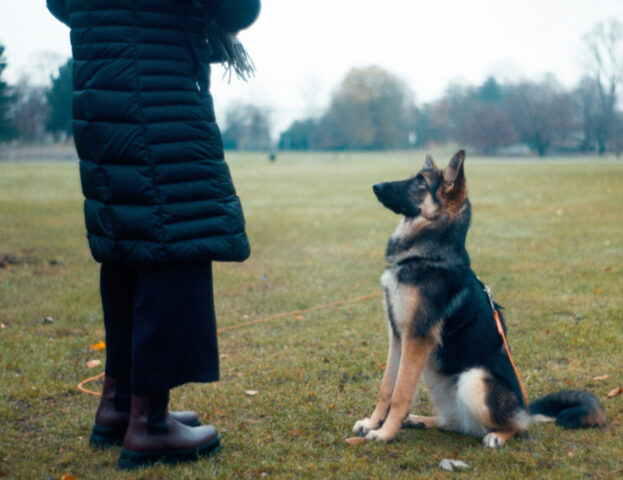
{"x":547,"y":236}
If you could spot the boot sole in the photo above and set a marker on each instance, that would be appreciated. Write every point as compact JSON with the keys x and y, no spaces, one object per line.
{"x":129,"y":460}
{"x":106,"y":437}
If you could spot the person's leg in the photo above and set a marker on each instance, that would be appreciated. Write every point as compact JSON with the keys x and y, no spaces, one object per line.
{"x":173,"y":342}
{"x":118,"y":288}
{"x":174,"y":339}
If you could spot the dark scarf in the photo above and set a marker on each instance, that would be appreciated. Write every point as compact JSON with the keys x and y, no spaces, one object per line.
{"x":226,"y":49}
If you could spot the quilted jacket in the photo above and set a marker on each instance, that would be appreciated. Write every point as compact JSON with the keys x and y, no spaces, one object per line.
{"x":152,"y":167}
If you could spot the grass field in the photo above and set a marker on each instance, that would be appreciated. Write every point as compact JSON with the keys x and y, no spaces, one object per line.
{"x":547,"y":236}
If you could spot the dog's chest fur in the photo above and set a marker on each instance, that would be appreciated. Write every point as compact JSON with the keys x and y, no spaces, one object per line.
{"x":401,"y":300}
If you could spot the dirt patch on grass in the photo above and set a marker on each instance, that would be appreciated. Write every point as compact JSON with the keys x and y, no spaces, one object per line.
{"x":30,"y":256}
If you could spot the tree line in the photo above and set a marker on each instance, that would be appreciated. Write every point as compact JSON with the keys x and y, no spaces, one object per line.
{"x":373,"y":109}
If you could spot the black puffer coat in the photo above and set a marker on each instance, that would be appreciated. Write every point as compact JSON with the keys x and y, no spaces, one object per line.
{"x":156,"y":184}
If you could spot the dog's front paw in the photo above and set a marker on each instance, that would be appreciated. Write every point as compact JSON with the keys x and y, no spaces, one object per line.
{"x":492,"y":440}
{"x":379,"y":436}
{"x":362,"y":427}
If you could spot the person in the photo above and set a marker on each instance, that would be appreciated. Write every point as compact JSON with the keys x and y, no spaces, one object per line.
{"x":160,"y":207}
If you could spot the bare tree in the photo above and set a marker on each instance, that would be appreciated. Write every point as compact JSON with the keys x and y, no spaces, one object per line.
{"x":604,"y":62}
{"x":587,"y":112}
{"x":367,"y":111}
{"x":247,"y":127}
{"x":542,"y":113}
{"x":475,"y":116}
{"x":30,"y":111}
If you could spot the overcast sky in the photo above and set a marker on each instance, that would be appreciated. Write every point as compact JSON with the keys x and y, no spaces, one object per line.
{"x":303,"y":48}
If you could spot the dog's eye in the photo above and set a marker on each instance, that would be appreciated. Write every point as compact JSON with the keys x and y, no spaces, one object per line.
{"x":419,"y":179}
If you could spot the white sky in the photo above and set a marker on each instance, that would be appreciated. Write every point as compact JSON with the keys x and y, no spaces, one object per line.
{"x":303,"y":48}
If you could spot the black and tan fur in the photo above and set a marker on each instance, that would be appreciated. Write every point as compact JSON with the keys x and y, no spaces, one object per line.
{"x":441,"y":326}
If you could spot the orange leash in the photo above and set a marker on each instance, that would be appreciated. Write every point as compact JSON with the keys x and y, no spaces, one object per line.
{"x":299,"y":312}
{"x":498,"y":323}
{"x":252,"y":322}
{"x":88,"y":380}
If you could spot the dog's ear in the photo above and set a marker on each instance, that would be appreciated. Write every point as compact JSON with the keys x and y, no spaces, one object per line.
{"x":453,"y":175}
{"x":428,"y":163}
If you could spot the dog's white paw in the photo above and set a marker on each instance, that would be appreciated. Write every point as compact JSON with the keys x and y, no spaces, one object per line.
{"x":378,"y":436}
{"x":492,"y":440}
{"x":362,"y":427}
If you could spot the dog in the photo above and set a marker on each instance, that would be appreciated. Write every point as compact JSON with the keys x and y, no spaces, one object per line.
{"x":442,"y":327}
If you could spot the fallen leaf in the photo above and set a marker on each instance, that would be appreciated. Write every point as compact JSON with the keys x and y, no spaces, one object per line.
{"x":2,"y":325}
{"x":99,"y":345}
{"x":452,"y":465}
{"x":607,"y":269}
{"x":250,"y":393}
{"x":94,"y":363}
{"x":597,"y":290}
{"x":299,"y":317}
{"x":48,"y":319}
{"x":614,"y":393}
{"x":600,"y":377}
{"x":0,"y":279}
{"x":223,"y":355}
{"x":68,"y":476}
{"x":355,"y":440}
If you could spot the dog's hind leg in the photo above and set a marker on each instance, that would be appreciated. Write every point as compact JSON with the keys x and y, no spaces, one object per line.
{"x":488,"y":408}
{"x":362,"y":427}
{"x":414,"y":355}
{"x":418,"y":421}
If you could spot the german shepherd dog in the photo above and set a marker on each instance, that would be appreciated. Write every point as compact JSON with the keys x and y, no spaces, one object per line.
{"x":442,"y":327}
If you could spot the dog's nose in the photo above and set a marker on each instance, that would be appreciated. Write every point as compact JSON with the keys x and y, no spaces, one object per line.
{"x":376,"y":188}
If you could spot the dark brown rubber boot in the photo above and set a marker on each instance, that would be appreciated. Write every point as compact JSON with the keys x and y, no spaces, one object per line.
{"x":113,"y":414}
{"x":153,"y":435}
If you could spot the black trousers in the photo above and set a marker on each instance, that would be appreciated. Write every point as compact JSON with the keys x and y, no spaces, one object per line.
{"x":160,"y":325}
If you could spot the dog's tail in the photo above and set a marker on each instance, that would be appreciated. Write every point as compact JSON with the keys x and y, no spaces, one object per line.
{"x":570,"y":409}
